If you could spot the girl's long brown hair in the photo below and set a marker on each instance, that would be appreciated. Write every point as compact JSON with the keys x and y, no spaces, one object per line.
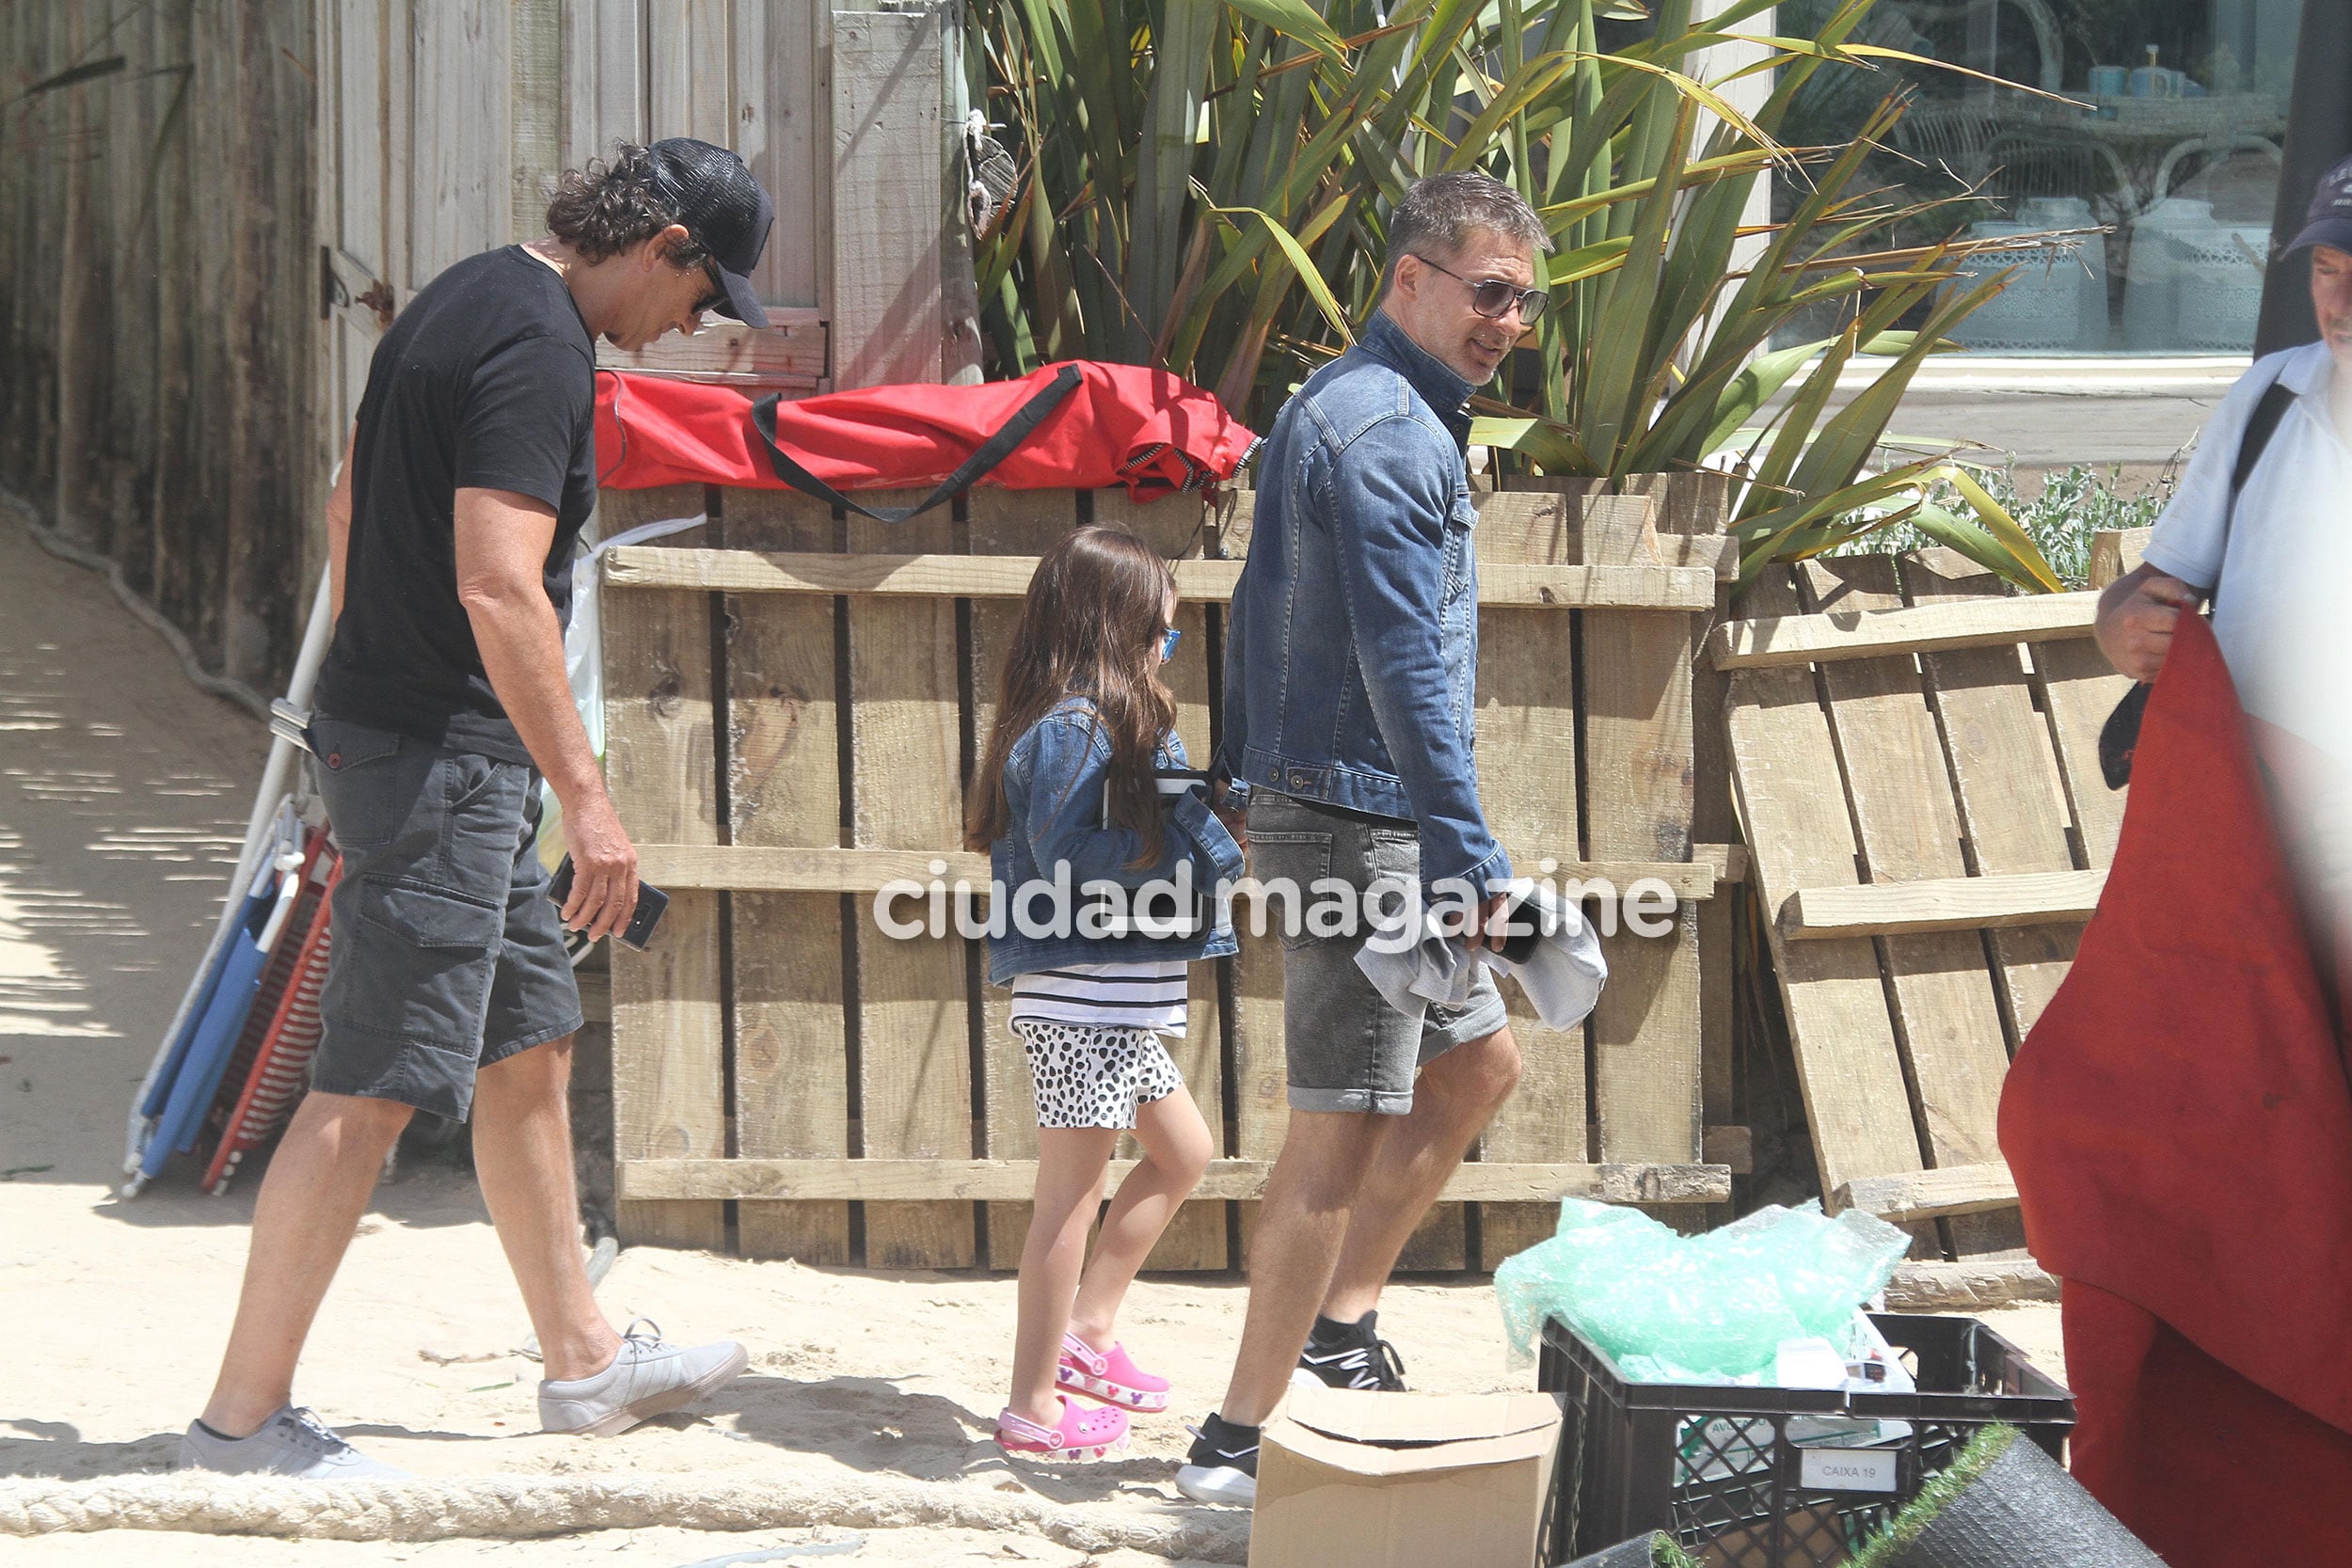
{"x":1090,"y":627}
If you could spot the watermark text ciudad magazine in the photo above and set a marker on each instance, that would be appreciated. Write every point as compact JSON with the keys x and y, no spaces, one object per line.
{"x":1390,"y":914}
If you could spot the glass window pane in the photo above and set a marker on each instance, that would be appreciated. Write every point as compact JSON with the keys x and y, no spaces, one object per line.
{"x":2177,"y":155}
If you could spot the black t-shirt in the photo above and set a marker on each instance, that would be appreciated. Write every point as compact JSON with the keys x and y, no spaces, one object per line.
{"x":487,"y":380}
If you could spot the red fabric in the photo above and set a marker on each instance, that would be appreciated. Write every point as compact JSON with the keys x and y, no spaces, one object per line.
{"x":1123,"y":424}
{"x":2205,"y":1467}
{"x":2180,"y":1125}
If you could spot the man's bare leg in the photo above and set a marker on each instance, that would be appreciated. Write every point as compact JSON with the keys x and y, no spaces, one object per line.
{"x":522,"y":1153}
{"x":1454,"y":1098}
{"x":1301,"y":1227}
{"x":309,"y":1205}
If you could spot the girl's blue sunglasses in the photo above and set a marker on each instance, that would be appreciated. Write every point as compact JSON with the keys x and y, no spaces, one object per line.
{"x":1168,"y":644}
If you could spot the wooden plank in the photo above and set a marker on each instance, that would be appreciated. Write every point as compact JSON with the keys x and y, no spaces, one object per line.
{"x":604,"y":78}
{"x":786,"y":354}
{"x":1929,"y":1194}
{"x":1971,"y":1285}
{"x":535,"y":92}
{"x":914,"y":1029}
{"x":461,"y":190}
{"x":2115,"y":551}
{"x":1899,"y":786}
{"x":1002,"y":1180}
{"x":2079,"y":688}
{"x":783,"y":756}
{"x":1639,"y":797}
{"x":892,"y":200}
{"x":2033,"y":898}
{"x":1526,"y":755}
{"x":668,"y":1039}
{"x":1791,"y":801}
{"x":1570,"y":587}
{"x":1814,"y":639}
{"x":782,"y":135}
{"x":690,"y":71}
{"x":617,"y":510}
{"x":2006,"y":779}
{"x":1733,"y":1148}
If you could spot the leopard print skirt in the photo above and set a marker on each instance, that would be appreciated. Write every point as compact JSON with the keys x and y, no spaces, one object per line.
{"x":1087,"y":1075}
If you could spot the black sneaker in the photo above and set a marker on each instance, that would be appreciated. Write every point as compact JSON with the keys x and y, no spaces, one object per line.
{"x":1350,"y":1356}
{"x":1222,"y":1466}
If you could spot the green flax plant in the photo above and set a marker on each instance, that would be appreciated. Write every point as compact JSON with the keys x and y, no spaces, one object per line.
{"x":1206,"y":185}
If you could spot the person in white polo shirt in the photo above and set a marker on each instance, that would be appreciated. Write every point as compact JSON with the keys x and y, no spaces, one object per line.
{"x":2262,"y":529}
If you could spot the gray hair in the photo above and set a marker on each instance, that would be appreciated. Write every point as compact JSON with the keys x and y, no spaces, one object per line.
{"x":1442,"y":212}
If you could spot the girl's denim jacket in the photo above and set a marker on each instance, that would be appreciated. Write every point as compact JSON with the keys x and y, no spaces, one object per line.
{"x":1053,"y":782}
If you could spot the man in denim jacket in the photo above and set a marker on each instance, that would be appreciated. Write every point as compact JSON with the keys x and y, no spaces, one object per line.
{"x":1351,"y":655}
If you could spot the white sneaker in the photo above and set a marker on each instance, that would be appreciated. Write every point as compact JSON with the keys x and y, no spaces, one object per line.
{"x":649,"y":1378}
{"x":293,"y":1442}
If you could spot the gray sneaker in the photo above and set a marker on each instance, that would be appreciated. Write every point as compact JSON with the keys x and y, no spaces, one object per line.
{"x":294,"y":1442}
{"x":649,"y":1378}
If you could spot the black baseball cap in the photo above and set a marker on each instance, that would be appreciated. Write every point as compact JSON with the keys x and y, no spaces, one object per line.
{"x":2330,"y":220}
{"x":724,"y":209}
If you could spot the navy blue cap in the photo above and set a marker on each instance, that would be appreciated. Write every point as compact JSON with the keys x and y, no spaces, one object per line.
{"x":2330,"y":220}
{"x":724,"y":209}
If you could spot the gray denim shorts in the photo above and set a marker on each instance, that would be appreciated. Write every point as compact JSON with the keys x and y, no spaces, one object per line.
{"x":1346,"y":1048}
{"x":446,"y":953}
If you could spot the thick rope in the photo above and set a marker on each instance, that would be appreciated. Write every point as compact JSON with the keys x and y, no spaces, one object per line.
{"x":512,"y":1506}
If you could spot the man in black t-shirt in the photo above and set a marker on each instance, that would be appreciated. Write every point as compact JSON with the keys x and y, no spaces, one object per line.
{"x":442,"y":703}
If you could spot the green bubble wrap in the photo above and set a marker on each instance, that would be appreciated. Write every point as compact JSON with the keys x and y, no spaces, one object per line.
{"x":1665,"y":1305}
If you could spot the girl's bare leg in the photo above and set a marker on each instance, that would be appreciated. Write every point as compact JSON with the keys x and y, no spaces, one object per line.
{"x":1070,"y":1165}
{"x":1176,"y":1148}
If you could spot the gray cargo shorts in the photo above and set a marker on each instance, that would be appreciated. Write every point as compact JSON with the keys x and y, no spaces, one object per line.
{"x":1347,"y":1049}
{"x":445,"y":955}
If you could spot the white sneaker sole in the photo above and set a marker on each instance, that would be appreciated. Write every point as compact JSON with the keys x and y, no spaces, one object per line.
{"x":1218,"y":1483}
{"x":667,"y":1399}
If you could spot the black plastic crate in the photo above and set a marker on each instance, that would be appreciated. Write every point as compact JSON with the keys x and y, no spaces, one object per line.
{"x":1716,"y":1469}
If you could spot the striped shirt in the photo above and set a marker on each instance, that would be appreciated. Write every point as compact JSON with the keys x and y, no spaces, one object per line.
{"x":1108,"y":996}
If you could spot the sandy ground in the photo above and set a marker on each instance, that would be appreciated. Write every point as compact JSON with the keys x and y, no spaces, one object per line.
{"x":122,"y":792}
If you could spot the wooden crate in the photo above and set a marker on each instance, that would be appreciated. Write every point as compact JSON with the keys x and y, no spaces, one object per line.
{"x":793,"y":701}
{"x":1915,"y":750}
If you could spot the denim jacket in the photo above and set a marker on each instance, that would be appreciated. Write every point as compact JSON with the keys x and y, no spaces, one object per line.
{"x":1054,"y":780}
{"x":1352,"y":646}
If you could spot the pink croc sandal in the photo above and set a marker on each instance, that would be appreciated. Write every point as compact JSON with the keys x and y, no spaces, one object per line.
{"x":1079,"y":1437}
{"x":1110,"y":1376}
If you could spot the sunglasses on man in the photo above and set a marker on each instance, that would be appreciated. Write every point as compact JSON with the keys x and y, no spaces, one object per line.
{"x":717,"y":294}
{"x":1492,"y":297}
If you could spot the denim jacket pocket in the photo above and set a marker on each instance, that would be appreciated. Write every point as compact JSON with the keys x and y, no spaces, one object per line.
{"x":1461,"y":525}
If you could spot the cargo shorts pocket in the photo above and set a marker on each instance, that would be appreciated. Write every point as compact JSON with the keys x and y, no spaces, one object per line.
{"x":421,"y":962}
{"x":370,"y":795}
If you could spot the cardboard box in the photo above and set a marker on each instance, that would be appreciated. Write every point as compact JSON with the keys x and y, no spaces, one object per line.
{"x":1350,"y":1480}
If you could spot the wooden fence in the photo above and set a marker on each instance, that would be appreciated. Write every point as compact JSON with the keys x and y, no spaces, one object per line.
{"x":210,"y":212}
{"x":792,"y":702}
{"x":1917,"y":759}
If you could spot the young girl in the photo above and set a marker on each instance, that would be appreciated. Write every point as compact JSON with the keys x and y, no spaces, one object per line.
{"x":1083,"y":725}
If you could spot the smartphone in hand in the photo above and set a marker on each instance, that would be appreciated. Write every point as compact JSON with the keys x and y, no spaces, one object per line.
{"x":651,"y":902}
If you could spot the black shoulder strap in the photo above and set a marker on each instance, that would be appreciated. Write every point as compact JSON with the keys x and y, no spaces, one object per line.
{"x":985,"y":457}
{"x":2260,"y":426}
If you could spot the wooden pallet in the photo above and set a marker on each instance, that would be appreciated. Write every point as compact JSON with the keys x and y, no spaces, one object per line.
{"x":793,"y":701}
{"x":1914,"y":751}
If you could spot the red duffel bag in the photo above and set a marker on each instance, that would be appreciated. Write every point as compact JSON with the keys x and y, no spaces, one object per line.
{"x":1078,"y":425}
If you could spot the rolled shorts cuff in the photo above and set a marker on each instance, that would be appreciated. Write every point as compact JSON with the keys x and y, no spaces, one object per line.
{"x":1484,"y":1014}
{"x":1380,"y":1102}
